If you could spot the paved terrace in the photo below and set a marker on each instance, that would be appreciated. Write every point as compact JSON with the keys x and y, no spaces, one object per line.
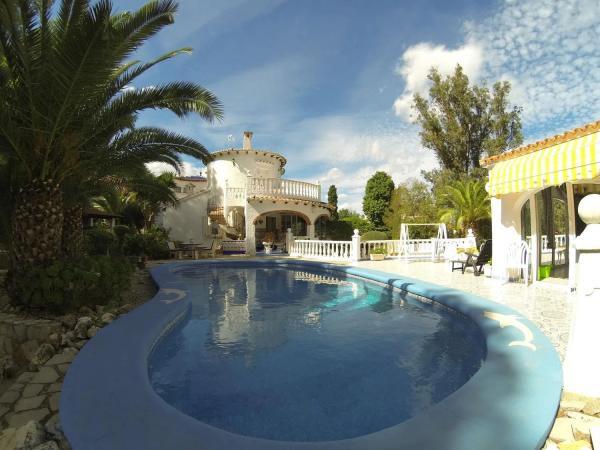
{"x":549,"y":307}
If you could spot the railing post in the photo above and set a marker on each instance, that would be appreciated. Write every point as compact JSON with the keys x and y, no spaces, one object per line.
{"x":355,"y":251}
{"x":289,"y":241}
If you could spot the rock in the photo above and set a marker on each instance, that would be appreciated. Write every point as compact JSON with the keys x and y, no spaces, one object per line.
{"x":99,"y":309}
{"x":592,"y":408}
{"x":82,"y":326}
{"x":7,"y":438}
{"x":8,"y":368}
{"x":32,"y":390}
{"x":25,"y":404}
{"x":25,"y":377}
{"x":91,"y":332}
{"x":54,"y":401}
{"x":46,"y":375}
{"x":550,"y":445}
{"x":69,"y":321}
{"x":61,"y":358}
{"x":86,"y":310}
{"x":53,"y":427}
{"x":29,"y":348}
{"x":20,"y":419}
{"x":581,"y":429}
{"x":593,"y":421}
{"x":125,"y":308}
{"x":54,"y":340}
{"x":577,"y":445}
{"x":79,"y":344}
{"x":67,"y":339}
{"x":107,"y":318}
{"x":29,"y":436}
{"x":48,"y":445}
{"x":42,"y":354}
{"x":9,"y":397}
{"x":561,"y":431}
{"x":572,"y":405}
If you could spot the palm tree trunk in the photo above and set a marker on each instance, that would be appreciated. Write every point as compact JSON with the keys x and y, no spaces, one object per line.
{"x":36,"y":228}
{"x":72,"y":233}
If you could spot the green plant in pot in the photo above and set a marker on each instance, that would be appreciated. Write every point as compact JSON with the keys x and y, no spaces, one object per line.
{"x":377,"y":254}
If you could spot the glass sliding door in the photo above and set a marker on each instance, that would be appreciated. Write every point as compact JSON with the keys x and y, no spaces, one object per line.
{"x":553,"y":224}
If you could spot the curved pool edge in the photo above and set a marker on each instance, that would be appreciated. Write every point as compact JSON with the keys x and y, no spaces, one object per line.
{"x":107,"y":401}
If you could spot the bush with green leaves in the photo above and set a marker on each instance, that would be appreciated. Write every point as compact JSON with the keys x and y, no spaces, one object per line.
{"x":67,"y":285}
{"x":151,"y":245}
{"x":378,"y":251}
{"x":374,"y":236}
{"x":100,"y":241}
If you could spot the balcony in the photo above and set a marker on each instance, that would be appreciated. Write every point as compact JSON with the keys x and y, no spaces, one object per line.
{"x":280,"y":188}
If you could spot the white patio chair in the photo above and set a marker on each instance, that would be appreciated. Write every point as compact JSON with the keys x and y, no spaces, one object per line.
{"x":518,"y":260}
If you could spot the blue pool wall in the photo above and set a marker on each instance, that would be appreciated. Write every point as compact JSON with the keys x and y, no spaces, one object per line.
{"x":107,"y":401}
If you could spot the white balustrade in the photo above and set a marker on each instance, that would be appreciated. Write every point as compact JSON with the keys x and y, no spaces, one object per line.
{"x":230,"y":245}
{"x":236,"y":196}
{"x":392,"y":247}
{"x":325,"y":250}
{"x":560,"y":241}
{"x":278,"y":187}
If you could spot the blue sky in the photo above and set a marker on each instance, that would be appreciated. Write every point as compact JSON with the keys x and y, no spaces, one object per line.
{"x":329,"y":83}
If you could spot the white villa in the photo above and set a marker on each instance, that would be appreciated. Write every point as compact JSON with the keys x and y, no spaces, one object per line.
{"x":536,"y":190}
{"x":242,"y":198}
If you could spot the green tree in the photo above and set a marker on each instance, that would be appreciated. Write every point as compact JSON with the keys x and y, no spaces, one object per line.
{"x":378,"y":194}
{"x":467,"y":203}
{"x":412,"y":202}
{"x":67,"y":111}
{"x":463,"y":123}
{"x":332,"y":199}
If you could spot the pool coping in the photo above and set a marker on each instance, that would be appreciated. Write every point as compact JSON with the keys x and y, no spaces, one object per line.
{"x":107,"y":401}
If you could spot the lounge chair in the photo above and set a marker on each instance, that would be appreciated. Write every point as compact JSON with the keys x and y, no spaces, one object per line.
{"x":208,"y":249}
{"x":475,"y":261}
{"x":175,"y":252}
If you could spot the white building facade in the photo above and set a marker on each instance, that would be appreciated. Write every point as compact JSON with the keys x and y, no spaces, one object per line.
{"x":536,"y":190}
{"x":243,"y":198}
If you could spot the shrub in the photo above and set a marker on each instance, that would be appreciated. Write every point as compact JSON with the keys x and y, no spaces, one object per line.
{"x":100,"y":241}
{"x":68,"y":285}
{"x":120,"y":232}
{"x":152,"y":245}
{"x":374,"y":236}
{"x":339,"y":230}
{"x":378,"y":251}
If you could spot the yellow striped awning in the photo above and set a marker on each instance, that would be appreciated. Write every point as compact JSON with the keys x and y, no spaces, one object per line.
{"x":574,"y":160}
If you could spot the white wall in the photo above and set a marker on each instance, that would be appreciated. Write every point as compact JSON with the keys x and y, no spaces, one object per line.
{"x":188,"y":220}
{"x":506,"y":227}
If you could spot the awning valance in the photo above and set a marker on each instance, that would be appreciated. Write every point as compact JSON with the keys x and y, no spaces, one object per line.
{"x":575,"y":160}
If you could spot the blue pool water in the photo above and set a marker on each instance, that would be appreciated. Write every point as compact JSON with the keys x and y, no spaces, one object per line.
{"x":302,"y":356}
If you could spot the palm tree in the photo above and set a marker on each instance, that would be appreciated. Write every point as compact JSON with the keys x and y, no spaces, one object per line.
{"x":467,"y":203}
{"x":67,"y":112}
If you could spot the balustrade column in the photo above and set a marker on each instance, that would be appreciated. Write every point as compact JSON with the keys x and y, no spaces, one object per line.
{"x":582,"y":366}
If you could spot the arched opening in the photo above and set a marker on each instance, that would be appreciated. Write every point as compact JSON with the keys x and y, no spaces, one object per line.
{"x":526,"y":222}
{"x":274,"y":225}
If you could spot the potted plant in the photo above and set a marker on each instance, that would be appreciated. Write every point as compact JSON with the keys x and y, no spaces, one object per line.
{"x":377,"y":254}
{"x":268,"y":242}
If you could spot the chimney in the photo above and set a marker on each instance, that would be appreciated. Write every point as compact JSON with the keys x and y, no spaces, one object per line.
{"x":247,"y":140}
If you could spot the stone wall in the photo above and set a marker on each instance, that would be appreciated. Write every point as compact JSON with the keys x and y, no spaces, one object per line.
{"x":20,"y":337}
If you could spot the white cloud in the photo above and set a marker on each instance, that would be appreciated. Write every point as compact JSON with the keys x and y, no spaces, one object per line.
{"x":417,"y":61}
{"x":551,"y":53}
{"x":187,"y":169}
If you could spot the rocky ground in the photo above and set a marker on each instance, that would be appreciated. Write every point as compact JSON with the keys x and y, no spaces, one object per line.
{"x":577,"y":426}
{"x":30,"y":392}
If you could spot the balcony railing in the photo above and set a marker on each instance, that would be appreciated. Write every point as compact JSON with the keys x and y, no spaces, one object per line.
{"x":277,"y":187}
{"x":236,"y":196}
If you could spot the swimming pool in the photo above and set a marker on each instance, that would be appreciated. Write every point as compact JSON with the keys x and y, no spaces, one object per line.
{"x":281,"y":354}
{"x":299,"y":355}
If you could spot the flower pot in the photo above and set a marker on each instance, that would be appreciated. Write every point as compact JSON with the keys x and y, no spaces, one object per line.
{"x":544,"y":271}
{"x":376,"y":256}
{"x":268,"y":247}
